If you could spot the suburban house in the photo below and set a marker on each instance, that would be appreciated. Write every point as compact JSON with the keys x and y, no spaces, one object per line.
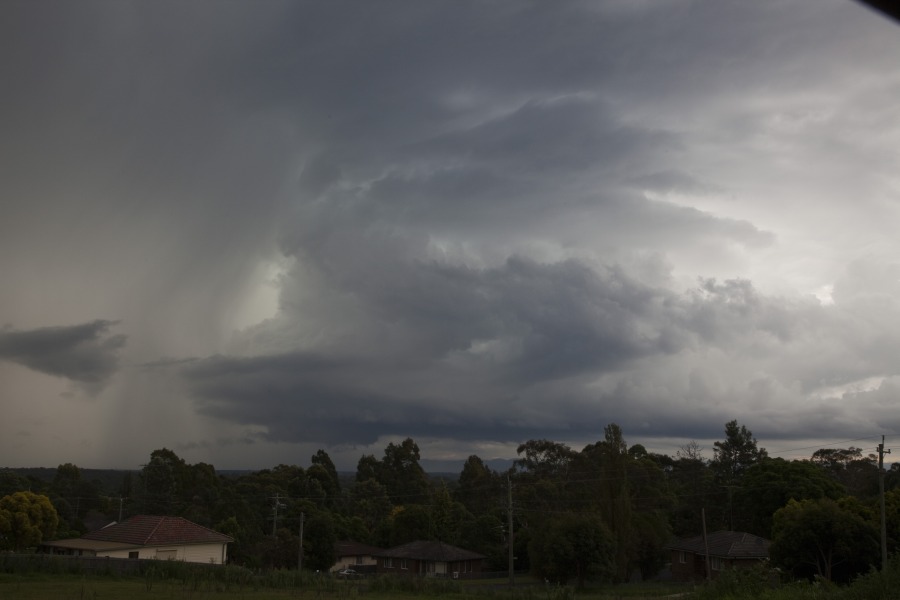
{"x":726,"y":550}
{"x":435,"y":559}
{"x":148,"y":536}
{"x":356,"y":556}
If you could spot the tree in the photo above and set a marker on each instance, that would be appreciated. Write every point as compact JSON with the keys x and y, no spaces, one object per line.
{"x":159,"y":489}
{"x":835,"y":460}
{"x":410,"y":522}
{"x":72,"y":497}
{"x":447,"y":516}
{"x":572,"y":546}
{"x":367,"y":468}
{"x":10,"y":482}
{"x":486,"y":533}
{"x":402,"y":475}
{"x":769,"y":484}
{"x":892,"y":520}
{"x":200,"y":493}
{"x":731,"y":458}
{"x":323,"y":470}
{"x":369,"y":501}
{"x":858,"y":473}
{"x":615,"y":496}
{"x":652,"y":504}
{"x":542,"y":478}
{"x":480,"y":489}
{"x":821,"y":537}
{"x":545,"y":458}
{"x":690,"y":451}
{"x":736,"y":453}
{"x":692,"y":482}
{"x":26,"y":519}
{"x":318,"y":542}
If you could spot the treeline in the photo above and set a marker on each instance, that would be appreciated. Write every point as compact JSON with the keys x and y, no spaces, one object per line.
{"x":600,"y":513}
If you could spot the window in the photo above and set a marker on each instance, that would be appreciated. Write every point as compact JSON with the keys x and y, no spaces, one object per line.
{"x":403,"y":564}
{"x":359,"y":560}
{"x":429,"y":566}
{"x":716,"y":563}
{"x":388,"y":563}
{"x":682,"y":557}
{"x":133,"y":554}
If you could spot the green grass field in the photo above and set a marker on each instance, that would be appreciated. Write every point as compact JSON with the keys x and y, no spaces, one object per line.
{"x":70,"y":587}
{"x":86,"y":587}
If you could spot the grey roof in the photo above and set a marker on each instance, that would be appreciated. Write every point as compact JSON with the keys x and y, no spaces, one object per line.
{"x":436,"y":551}
{"x":726,"y":544}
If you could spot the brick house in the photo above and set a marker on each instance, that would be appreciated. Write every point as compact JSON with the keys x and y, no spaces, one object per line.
{"x":726,"y":550}
{"x":148,"y":536}
{"x":432,"y":559}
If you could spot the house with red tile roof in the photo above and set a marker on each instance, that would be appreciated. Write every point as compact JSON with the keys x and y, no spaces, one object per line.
{"x":149,"y":536}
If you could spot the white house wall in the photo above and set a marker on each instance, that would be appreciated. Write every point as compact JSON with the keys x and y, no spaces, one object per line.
{"x":195,"y":553}
{"x":349,"y":562}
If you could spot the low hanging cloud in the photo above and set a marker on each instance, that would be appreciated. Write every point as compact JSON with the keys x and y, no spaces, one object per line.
{"x":86,"y":354}
{"x":530,"y":349}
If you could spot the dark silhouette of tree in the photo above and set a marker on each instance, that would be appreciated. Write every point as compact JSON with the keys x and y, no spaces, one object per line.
{"x":480,"y":489}
{"x":820,"y":537}
{"x":768,"y":486}
{"x":402,"y":475}
{"x":573,"y":546}
{"x":735,"y":453}
{"x":318,"y":542}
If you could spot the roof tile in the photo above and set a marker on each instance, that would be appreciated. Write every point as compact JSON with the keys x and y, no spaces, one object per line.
{"x":153,"y":530}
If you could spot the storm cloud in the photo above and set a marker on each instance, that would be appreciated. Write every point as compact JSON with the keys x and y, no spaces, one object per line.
{"x":86,"y":353}
{"x":337,"y":224}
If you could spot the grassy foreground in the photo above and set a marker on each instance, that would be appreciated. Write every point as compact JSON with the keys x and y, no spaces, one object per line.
{"x":68,"y":587}
{"x":41,"y":586}
{"x":181,"y":582}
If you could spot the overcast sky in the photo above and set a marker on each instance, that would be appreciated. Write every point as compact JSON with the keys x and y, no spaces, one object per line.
{"x":249,"y":230}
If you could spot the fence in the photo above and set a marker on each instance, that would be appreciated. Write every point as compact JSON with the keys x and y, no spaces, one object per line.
{"x":99,"y":565}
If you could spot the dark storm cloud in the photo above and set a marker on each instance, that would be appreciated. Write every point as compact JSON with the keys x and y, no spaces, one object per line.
{"x":85,"y":353}
{"x":457,"y":349}
{"x":460,"y":220}
{"x":514,"y":352}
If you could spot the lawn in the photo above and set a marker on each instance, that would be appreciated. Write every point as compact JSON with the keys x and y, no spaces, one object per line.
{"x":86,"y":587}
{"x":72,"y":587}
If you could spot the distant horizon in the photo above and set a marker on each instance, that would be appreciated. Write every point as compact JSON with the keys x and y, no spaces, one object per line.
{"x":500,"y":464}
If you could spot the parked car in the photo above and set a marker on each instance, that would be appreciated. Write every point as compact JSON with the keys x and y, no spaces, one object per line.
{"x":348,"y":574}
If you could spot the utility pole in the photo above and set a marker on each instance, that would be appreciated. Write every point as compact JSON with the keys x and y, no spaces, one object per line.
{"x":705,"y":544}
{"x":275,"y":514}
{"x":881,"y":453}
{"x":300,"y":553}
{"x":510,"y":538}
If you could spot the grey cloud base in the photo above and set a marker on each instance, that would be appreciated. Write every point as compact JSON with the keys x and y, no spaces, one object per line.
{"x":84,"y":353}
